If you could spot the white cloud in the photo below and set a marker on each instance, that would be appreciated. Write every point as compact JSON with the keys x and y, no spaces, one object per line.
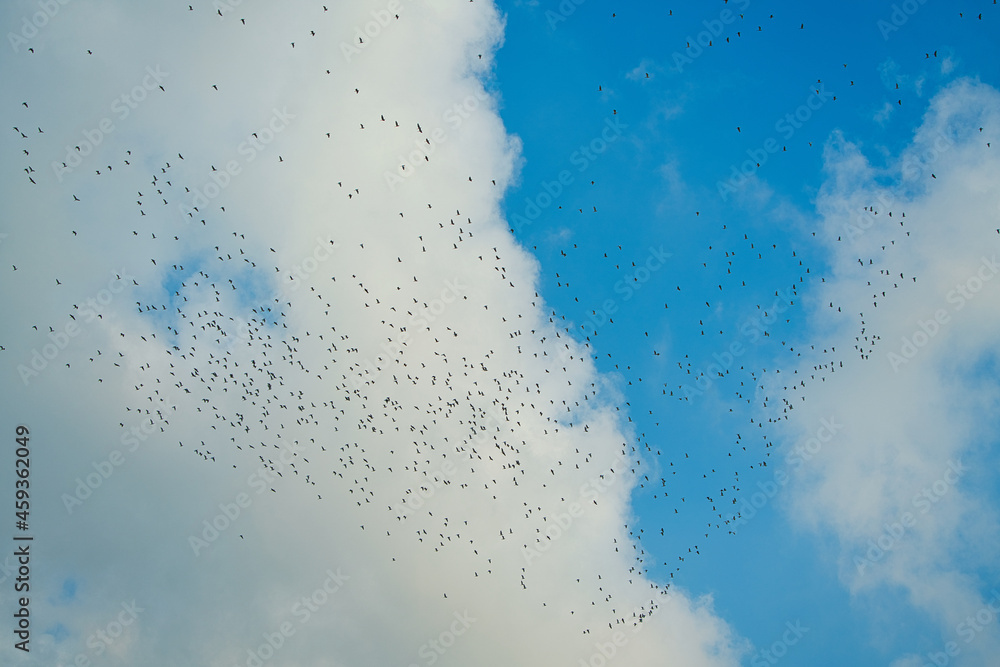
{"x":414,"y":342}
{"x":910,"y":419}
{"x":646,"y":69}
{"x":883,"y":114}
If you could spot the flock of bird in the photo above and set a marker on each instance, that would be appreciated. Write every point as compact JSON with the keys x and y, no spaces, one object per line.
{"x":353,"y":365}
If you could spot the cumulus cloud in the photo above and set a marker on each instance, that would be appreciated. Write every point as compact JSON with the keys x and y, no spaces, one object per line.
{"x":903,"y":360}
{"x":312,"y":410}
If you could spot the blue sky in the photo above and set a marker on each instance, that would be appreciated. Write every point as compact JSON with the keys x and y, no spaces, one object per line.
{"x":549,"y":316}
{"x":559,"y":80}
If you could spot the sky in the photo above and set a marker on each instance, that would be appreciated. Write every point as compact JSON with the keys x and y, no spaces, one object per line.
{"x":412,"y":332}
